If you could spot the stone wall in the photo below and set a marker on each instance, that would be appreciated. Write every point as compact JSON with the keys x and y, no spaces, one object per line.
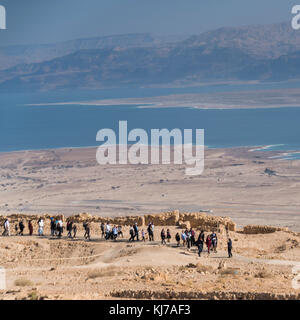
{"x":197,"y":220}
{"x":256,"y":229}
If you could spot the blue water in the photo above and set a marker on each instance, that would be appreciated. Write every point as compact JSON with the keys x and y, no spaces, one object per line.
{"x":41,"y":127}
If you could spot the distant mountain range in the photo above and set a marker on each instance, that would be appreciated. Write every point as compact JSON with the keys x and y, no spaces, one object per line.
{"x":269,"y":52}
{"x":21,"y":54}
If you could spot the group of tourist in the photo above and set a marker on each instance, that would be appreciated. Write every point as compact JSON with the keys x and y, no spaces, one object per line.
{"x":188,"y":239}
{"x":108,"y":232}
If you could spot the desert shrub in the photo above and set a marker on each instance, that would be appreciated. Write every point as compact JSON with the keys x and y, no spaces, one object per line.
{"x":33,"y":295}
{"x":104,"y":272}
{"x":202,"y":268}
{"x":191,"y":265}
{"x":23,"y":283}
{"x":229,"y":271}
{"x":263,"y":274}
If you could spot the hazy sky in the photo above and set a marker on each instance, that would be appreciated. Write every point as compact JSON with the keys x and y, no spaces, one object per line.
{"x":43,"y":21}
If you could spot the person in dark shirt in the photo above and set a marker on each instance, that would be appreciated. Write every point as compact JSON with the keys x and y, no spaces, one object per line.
{"x":102,"y":227}
{"x":21,"y":227}
{"x":52,"y":226}
{"x":136,"y":231}
{"x":229,"y":248}
{"x":168,"y":235}
{"x":163,"y":236}
{"x":69,"y":228}
{"x":74,"y":230}
{"x":177,"y":237}
{"x":30,"y":227}
{"x":200,"y":243}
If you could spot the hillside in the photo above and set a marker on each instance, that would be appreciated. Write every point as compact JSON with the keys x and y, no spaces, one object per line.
{"x":247,"y":53}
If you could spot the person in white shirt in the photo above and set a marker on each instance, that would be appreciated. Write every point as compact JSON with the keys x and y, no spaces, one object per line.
{"x":115,"y":233}
{"x":6,"y":228}
{"x":41,"y":227}
{"x":107,"y":231}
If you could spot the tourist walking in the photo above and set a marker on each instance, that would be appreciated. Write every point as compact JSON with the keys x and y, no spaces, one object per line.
{"x":30,"y":227}
{"x":60,"y":228}
{"x":208,"y":243}
{"x":107,"y":231}
{"x":41,"y":227}
{"x":229,"y":248}
{"x":87,"y":230}
{"x":163,"y":237}
{"x":69,"y":228}
{"x":183,"y":237}
{"x":177,"y":238}
{"x":143,"y":235}
{"x":21,"y":227}
{"x":168,"y":235}
{"x":200,"y":243}
{"x":192,"y":237}
{"x":188,"y":238}
{"x":74,"y":230}
{"x":131,"y":232}
{"x":150,"y":232}
{"x":102,"y":228}
{"x":136,"y":231}
{"x":120,"y":232}
{"x":6,"y":231}
{"x":115,"y":233}
{"x":52,"y":226}
{"x":214,"y":241}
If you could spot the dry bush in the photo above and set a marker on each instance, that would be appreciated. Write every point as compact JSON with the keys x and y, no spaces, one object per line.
{"x":202,"y":268}
{"x":23,"y":283}
{"x":191,"y":265}
{"x":263,"y":274}
{"x":229,"y":271}
{"x":104,"y":272}
{"x":33,"y":295}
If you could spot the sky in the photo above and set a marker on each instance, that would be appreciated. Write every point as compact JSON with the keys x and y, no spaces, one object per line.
{"x":47,"y":21}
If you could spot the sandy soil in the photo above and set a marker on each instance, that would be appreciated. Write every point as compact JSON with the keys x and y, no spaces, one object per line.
{"x":49,"y":268}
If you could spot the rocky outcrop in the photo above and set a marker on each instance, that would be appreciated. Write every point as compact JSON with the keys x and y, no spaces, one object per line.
{"x":163,"y":219}
{"x":207,"y":222}
{"x":256,"y":229}
{"x":187,"y":295}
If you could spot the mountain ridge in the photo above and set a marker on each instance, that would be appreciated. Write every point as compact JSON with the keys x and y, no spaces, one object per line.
{"x":225,"y":54}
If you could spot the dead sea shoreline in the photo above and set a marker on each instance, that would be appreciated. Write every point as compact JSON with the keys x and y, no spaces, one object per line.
{"x":260,"y":99}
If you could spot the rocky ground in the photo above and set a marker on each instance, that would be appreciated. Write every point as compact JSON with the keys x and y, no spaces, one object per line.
{"x":51,"y":268}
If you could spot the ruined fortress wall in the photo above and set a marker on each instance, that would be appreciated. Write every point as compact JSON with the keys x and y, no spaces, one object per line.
{"x":173,"y":218}
{"x":256,"y":229}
